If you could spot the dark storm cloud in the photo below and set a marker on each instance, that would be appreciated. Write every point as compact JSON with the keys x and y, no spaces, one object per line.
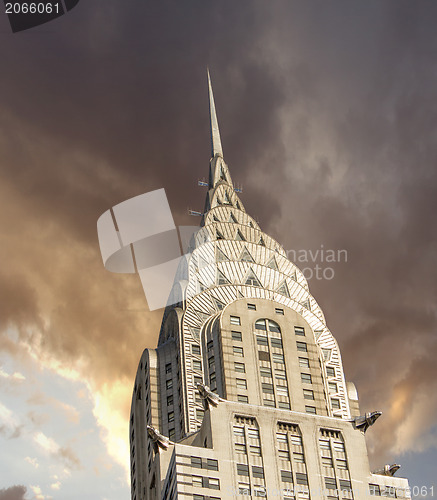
{"x":13,"y":493}
{"x":328,"y":119}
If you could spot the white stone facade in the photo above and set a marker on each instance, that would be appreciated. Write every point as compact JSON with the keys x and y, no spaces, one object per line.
{"x":247,"y":326}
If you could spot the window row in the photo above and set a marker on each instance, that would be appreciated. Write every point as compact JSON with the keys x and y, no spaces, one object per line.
{"x":204,"y":463}
{"x":206,"y":482}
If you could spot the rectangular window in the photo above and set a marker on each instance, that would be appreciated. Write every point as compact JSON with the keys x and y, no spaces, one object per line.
{"x":310,"y":409}
{"x":259,"y":490}
{"x":308,"y":394}
{"x":324,"y":444}
{"x":240,"y":448}
{"x":269,"y":402}
{"x":171,"y":433}
{"x":241,"y":398}
{"x":236,"y":336}
{"x":267,"y":388}
{"x":257,"y":471}
{"x":327,"y":462}
{"x":197,"y":481}
{"x":170,"y":400}
{"x":279,"y":311}
{"x":212,"y":378}
{"x":332,"y":387}
{"x":197,"y":380}
{"x":284,"y":405}
{"x":196,"y":462}
{"x":241,"y":383}
{"x":296,"y":440}
{"x":211,"y":361}
{"x":252,"y":307}
{"x":330,"y":483}
{"x":335,"y":403}
{"x":239,"y":367}
{"x":306,"y":378}
{"x":330,"y":371}
{"x":253,"y":433}
{"x":199,"y":413}
{"x":299,"y":458}
{"x":345,"y":485}
{"x":301,"y":478}
{"x":277,"y":358}
{"x":198,"y":497}
{"x":286,"y":476}
{"x":210,"y":345}
{"x":211,"y":464}
{"x":301,"y":346}
{"x":255,"y":450}
{"x":341,"y":464}
{"x":299,"y":330}
{"x":375,"y":489}
{"x":169,"y":384}
{"x":282,"y":390}
{"x":171,"y":416}
{"x":197,"y":365}
{"x":284,"y":454}
{"x":261,"y":340}
{"x":238,"y":431}
{"x":263,"y":356}
{"x":195,"y":349}
{"x":339,"y":446}
{"x":265,"y":372}
{"x":238,"y":351}
{"x":213,"y":483}
{"x":281,"y":438}
{"x":304,"y":362}
{"x":276,"y":343}
{"x":242,"y":470}
{"x":244,"y":489}
{"x":235,"y":320}
{"x":168,"y":368}
{"x":280,"y":374}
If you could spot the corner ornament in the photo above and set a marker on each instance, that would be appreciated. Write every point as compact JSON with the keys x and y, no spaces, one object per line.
{"x":209,"y":398}
{"x":160,"y":442}
{"x":363,"y":422}
{"x":388,"y":470}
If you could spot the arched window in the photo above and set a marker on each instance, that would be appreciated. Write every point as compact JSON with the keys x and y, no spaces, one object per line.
{"x":267,"y":325}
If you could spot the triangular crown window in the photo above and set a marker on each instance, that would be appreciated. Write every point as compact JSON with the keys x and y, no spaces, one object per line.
{"x":239,"y":236}
{"x":272,"y":264}
{"x":252,"y":279}
{"x":227,"y":200}
{"x":221,"y":255}
{"x":233,"y":219}
{"x":261,"y":242}
{"x":219,"y":235}
{"x":215,"y":219}
{"x":307,"y":304}
{"x":245,"y":256}
{"x":219,"y":304}
{"x":222,"y":174}
{"x":283,"y":289}
{"x":221,"y":278}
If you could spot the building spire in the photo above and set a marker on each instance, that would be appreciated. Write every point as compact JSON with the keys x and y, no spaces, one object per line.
{"x":216,"y":143}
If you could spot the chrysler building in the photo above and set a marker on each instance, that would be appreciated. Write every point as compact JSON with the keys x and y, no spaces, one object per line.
{"x":245,"y":394}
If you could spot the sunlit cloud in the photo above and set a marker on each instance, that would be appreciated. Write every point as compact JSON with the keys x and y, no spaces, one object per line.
{"x":14,"y":376}
{"x":56,"y":486}
{"x":32,"y":461}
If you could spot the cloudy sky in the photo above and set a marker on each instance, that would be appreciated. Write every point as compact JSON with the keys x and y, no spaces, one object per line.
{"x":329,"y":120}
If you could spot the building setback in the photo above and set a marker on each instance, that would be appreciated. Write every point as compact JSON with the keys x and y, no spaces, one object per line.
{"x":245,"y":395}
